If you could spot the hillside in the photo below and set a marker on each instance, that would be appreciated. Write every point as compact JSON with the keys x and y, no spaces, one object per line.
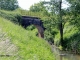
{"x":20,"y":44}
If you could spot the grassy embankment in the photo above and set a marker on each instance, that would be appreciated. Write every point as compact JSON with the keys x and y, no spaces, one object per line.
{"x":28,"y":46}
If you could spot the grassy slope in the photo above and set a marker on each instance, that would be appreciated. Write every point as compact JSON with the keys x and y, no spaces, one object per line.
{"x":29,"y":46}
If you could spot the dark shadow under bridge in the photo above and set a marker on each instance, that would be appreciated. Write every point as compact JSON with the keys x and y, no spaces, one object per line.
{"x":28,"y":20}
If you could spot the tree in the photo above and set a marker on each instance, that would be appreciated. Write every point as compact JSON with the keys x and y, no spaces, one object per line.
{"x":74,"y":12}
{"x":39,"y":7}
{"x":56,"y":9}
{"x":42,"y":11}
{"x":8,"y":4}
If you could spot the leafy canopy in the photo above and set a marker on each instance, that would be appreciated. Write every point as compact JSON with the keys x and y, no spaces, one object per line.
{"x":8,"y":4}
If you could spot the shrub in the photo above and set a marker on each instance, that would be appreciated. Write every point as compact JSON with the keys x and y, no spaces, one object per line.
{"x":11,"y":15}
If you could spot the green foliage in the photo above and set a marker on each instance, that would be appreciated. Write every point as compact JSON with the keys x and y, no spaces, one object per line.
{"x":11,"y":15}
{"x":31,"y":27}
{"x":50,"y":23}
{"x":29,"y":46}
{"x":57,"y":39}
{"x":8,"y":4}
{"x":74,"y":12}
{"x":74,"y":6}
{"x":37,"y":7}
{"x":71,"y":38}
{"x":30,"y":13}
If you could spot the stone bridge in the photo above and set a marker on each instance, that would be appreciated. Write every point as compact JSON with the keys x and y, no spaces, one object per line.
{"x":27,"y":20}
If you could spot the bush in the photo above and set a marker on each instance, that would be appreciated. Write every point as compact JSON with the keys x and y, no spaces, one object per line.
{"x":72,"y":38}
{"x":11,"y":15}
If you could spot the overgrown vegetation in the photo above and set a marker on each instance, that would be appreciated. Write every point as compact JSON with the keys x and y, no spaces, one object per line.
{"x":11,"y":15}
{"x":8,"y":4}
{"x":71,"y":38}
{"x":62,"y":28}
{"x":29,"y":46}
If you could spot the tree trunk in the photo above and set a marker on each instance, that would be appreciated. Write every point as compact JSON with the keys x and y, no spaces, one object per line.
{"x":61,"y":33}
{"x":60,"y":23}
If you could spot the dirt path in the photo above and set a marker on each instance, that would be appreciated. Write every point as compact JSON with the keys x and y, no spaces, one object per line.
{"x":7,"y":48}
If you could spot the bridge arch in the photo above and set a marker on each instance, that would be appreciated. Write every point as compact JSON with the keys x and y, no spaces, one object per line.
{"x":27,"y":20}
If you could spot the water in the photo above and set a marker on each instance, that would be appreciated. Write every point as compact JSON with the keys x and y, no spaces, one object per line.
{"x":63,"y":55}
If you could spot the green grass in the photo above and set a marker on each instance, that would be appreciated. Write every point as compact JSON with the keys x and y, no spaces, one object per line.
{"x":29,"y":46}
{"x":11,"y":15}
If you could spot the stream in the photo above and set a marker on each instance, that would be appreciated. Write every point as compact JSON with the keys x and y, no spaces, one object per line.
{"x":63,"y":55}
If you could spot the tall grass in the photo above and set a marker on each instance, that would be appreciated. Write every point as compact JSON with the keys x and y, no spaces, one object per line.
{"x":29,"y":46}
{"x":11,"y":15}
